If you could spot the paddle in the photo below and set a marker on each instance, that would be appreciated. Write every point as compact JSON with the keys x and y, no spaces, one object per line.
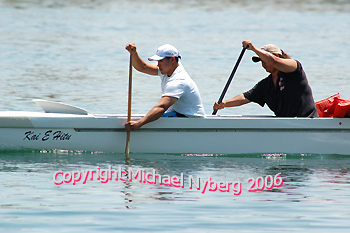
{"x":129,"y":103}
{"x":230,"y":79}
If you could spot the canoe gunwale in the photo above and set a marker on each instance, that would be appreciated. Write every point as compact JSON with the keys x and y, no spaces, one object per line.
{"x":214,"y":130}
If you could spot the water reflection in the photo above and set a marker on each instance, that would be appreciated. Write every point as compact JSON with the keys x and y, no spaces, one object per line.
{"x":297,"y":170}
{"x":311,"y":182}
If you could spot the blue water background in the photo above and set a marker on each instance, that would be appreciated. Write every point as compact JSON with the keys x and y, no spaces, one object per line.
{"x":73,"y":52}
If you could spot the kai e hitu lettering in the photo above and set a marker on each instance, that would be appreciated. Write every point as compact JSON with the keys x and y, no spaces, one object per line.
{"x":142,"y":176}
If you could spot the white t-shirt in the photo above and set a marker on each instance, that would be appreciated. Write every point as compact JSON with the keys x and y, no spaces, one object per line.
{"x":181,"y":86}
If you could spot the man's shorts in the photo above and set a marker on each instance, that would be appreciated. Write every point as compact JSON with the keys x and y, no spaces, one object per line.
{"x":173,"y":114}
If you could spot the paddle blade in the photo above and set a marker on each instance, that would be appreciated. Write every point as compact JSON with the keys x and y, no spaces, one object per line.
{"x":127,"y":147}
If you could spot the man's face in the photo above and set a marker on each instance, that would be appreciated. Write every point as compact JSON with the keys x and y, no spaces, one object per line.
{"x":165,"y":65}
{"x":267,"y":67}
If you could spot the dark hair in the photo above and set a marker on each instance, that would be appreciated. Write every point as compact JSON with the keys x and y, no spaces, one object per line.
{"x":284,"y":55}
{"x":176,"y":58}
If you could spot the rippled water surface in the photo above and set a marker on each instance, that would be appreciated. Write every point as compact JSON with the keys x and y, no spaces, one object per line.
{"x":314,"y":196}
{"x":73,"y":52}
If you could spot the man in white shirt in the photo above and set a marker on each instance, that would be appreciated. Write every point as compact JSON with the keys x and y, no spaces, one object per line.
{"x":180,"y":97}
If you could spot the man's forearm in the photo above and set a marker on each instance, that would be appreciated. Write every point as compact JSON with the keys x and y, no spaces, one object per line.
{"x":154,"y":114}
{"x":236,"y":101}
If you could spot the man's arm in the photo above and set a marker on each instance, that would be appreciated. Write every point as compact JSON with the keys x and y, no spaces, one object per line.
{"x":284,"y":65}
{"x":238,"y":100}
{"x":139,"y":64}
{"x":154,"y":114}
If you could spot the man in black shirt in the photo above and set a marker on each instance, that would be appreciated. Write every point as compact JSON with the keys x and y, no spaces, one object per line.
{"x":285,"y":91}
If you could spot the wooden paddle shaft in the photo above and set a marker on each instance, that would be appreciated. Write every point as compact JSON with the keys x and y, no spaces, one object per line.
{"x":129,"y":104}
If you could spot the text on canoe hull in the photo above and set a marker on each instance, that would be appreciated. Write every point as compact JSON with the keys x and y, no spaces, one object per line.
{"x":48,"y":135}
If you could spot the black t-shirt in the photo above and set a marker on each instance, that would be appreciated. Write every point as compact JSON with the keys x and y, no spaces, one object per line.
{"x":292,"y":96}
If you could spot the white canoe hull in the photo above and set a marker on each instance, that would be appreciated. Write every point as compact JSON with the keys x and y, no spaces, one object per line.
{"x":211,"y":135}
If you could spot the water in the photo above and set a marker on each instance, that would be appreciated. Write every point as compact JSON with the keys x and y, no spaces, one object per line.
{"x":313,"y":198}
{"x":73,"y":52}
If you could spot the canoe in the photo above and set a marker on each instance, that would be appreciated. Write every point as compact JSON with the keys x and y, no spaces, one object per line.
{"x":66,"y":127}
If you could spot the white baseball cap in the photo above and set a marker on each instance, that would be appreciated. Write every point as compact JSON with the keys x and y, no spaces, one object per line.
{"x":164,"y":51}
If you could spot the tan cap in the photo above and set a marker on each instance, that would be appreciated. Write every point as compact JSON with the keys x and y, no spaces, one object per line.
{"x":271,"y":48}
